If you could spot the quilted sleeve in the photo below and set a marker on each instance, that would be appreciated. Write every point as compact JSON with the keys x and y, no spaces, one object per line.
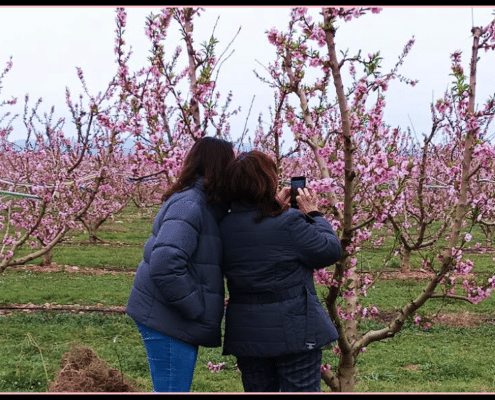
{"x":314,"y":240}
{"x":175,"y":243}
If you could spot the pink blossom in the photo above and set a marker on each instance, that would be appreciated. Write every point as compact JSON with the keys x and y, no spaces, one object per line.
{"x":299,"y":12}
{"x":325,"y":368}
{"x":367,"y":281}
{"x":215,"y":367}
{"x":318,"y":34}
{"x":322,"y":277}
{"x":121,"y":17}
{"x":8,"y":240}
{"x":272,"y":36}
{"x":464,"y":267}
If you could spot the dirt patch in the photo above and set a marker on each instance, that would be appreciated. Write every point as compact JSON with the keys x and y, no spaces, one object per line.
{"x":464,"y":318}
{"x":418,"y":275}
{"x":30,"y":308}
{"x":54,"y":267}
{"x":114,"y":228}
{"x":460,"y":319}
{"x":83,"y":371}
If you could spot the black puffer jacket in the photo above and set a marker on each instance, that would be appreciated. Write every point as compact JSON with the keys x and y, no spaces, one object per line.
{"x":273,"y":308}
{"x":179,"y":289}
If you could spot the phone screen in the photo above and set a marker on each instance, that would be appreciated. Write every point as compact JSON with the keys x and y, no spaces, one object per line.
{"x":296,"y":183}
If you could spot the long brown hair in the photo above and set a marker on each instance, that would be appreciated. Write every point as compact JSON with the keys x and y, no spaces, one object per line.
{"x":208,"y":158}
{"x":253,"y":179}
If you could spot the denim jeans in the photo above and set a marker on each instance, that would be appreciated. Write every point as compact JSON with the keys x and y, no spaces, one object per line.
{"x":287,"y":373}
{"x":171,"y":361}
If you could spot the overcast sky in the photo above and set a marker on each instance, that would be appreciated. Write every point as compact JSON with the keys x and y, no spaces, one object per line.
{"x":48,"y":43}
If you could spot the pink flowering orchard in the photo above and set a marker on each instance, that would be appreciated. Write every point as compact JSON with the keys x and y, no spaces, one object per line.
{"x":374,"y":182}
{"x":54,"y":182}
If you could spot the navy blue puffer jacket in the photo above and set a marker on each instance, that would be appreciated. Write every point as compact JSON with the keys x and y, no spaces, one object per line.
{"x":273,"y":308}
{"x":178,"y":289}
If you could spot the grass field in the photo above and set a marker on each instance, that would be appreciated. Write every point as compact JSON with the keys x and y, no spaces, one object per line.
{"x":452,"y":356}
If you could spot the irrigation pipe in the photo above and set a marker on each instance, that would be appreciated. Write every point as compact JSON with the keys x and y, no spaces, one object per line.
{"x":63,"y":309}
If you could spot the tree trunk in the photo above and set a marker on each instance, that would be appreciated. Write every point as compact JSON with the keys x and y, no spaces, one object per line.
{"x":92,"y":236}
{"x":347,"y":373}
{"x":346,"y":370}
{"x":488,"y":231}
{"x":405,"y":264}
{"x":47,"y":258}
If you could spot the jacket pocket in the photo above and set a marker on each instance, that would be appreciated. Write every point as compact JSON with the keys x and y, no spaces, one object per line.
{"x":191,"y":307}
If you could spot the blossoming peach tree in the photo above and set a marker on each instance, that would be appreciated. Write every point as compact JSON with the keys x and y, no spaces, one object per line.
{"x":372,"y":179}
{"x":49,"y":185}
{"x":164,"y":120}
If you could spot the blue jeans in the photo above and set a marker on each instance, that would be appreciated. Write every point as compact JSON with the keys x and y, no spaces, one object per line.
{"x":171,"y":361}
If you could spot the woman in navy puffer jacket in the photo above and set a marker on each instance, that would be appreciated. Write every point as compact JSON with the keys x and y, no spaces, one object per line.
{"x":275,"y":324}
{"x":177,"y":299}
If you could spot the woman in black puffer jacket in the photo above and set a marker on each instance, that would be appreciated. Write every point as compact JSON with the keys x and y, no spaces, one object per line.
{"x":275,"y":324}
{"x":177,"y":299}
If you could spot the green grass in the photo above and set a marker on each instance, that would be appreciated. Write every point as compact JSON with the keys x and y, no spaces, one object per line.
{"x":437,"y":360}
{"x":64,"y":288}
{"x":97,"y":255}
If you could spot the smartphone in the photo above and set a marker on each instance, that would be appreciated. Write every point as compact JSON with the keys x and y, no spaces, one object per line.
{"x":296,"y":182}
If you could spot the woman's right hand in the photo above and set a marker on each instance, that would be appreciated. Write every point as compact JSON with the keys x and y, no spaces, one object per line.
{"x":306,"y":200}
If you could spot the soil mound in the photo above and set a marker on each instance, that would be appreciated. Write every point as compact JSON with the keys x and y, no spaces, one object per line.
{"x":83,"y":371}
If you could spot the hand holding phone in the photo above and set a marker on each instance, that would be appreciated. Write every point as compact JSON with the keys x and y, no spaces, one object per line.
{"x":307,"y":201}
{"x":296,"y":182}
